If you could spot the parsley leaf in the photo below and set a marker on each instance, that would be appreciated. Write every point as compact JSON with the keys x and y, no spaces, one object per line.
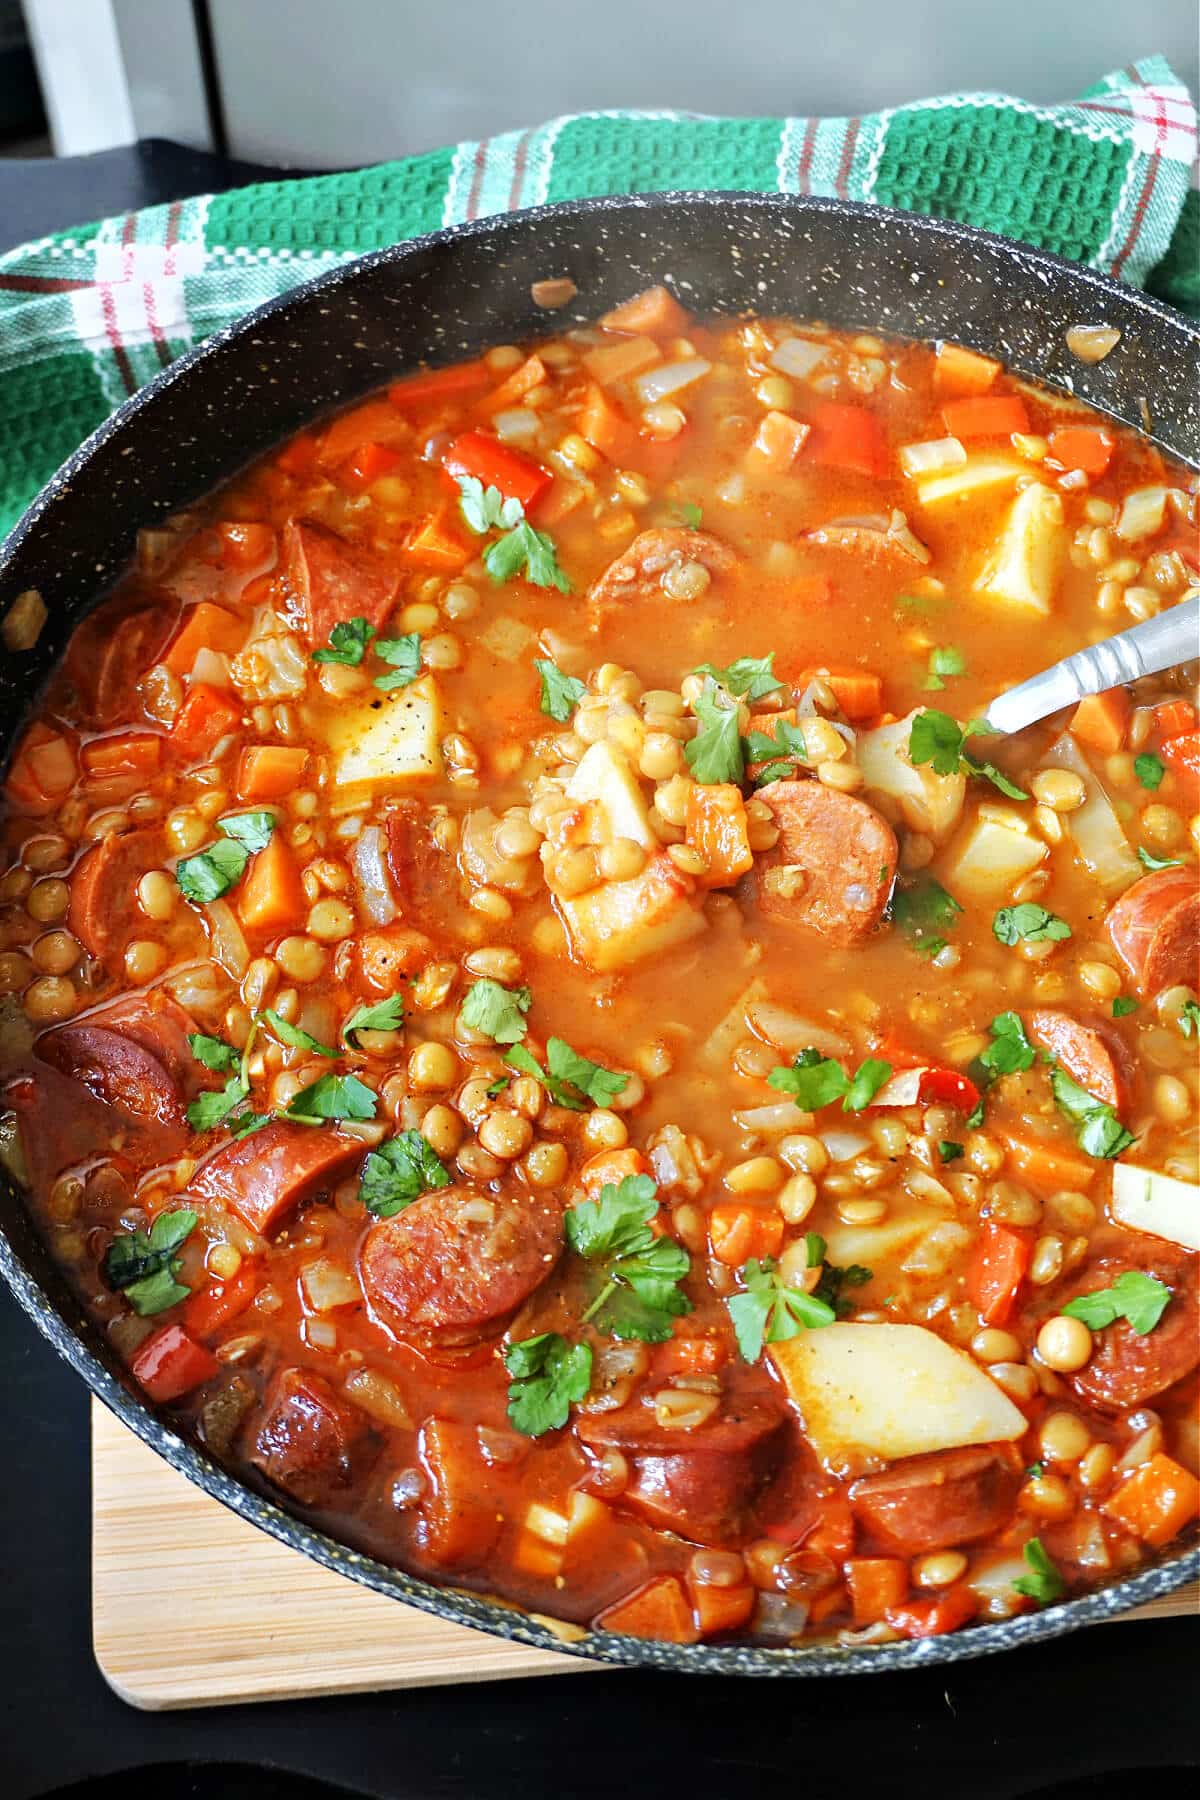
{"x":144,"y":1266}
{"x":948,"y":1150}
{"x":213,"y":1052}
{"x":251,"y":829}
{"x":209,"y":1110}
{"x":1030,"y":923}
{"x":814,"y":1081}
{"x":1122,"y":1006}
{"x":212,"y":872}
{"x":334,"y":1097}
{"x":769,"y":1313}
{"x":639,"y":1295}
{"x":1148,"y":860}
{"x":347,"y":643}
{"x":399,"y":1172}
{"x":1140,"y":1298}
{"x":869,"y":1077}
{"x":945,"y":661}
{"x":496,"y":1011}
{"x":1010,"y":1051}
{"x":526,"y":551}
{"x":834,"y":1279}
{"x":385,"y":1015}
{"x":1149,"y":769}
{"x":548,"y":1373}
{"x":938,"y":739}
{"x":404,"y":653}
{"x":561,"y":693}
{"x":486,"y":509}
{"x":715,"y":753}
{"x":1189,"y":1019}
{"x":293,"y":1035}
{"x":1098,"y":1131}
{"x":747,"y":677}
{"x":784,"y":749}
{"x":686,"y":512}
{"x":1043,"y":1585}
{"x":923,"y":911}
{"x":568,"y":1071}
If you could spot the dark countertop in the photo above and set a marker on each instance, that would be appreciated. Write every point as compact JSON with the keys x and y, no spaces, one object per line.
{"x":1079,"y":1716}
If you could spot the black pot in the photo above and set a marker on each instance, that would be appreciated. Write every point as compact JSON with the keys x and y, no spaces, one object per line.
{"x":450,"y":295}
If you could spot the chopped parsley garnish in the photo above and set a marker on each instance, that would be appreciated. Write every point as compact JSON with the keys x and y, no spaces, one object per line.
{"x":1029,"y":923}
{"x":938,"y":739}
{"x":1149,"y":769}
{"x":945,"y":661}
{"x":1189,"y":1018}
{"x":252,"y":829}
{"x":1043,"y":1584}
{"x":569,"y":1078}
{"x":814,"y":1081}
{"x":833,"y":1279}
{"x":1139,"y":1298}
{"x":561,"y":693}
{"x":294,"y":1036}
{"x":144,"y":1267}
{"x":486,"y":509}
{"x":498,"y":1012}
{"x":212,"y":872}
{"x":548,"y":1373}
{"x":213,"y":1052}
{"x":1148,"y":859}
{"x":924,"y":912}
{"x":1098,"y":1131}
{"x":1122,"y":1006}
{"x":1010,"y":1050}
{"x":948,"y":1150}
{"x":399,"y":1172}
{"x":747,"y":677}
{"x":777,"y":753}
{"x":404,"y":653}
{"x":385,"y":1015}
{"x":209,"y":1110}
{"x":347,"y":643}
{"x":639,"y":1293}
{"x":686,"y":512}
{"x":529,"y":553}
{"x":769,"y":1312}
{"x":334,"y":1097}
{"x":715,"y":753}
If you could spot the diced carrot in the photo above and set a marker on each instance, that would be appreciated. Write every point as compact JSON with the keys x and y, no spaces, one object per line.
{"x":204,"y":718}
{"x":717,"y":828}
{"x":1081,"y":447}
{"x":621,"y":359}
{"x":934,"y":1617}
{"x":1047,"y":1167}
{"x":737,"y":1232}
{"x":603,"y":424}
{"x":821,"y":1606}
{"x":1182,"y":754}
{"x":1101,"y":720}
{"x":205,"y":627}
{"x":777,"y":443}
{"x":299,"y":455}
{"x":511,"y":392}
{"x":846,"y":437}
{"x":1174,"y":717}
{"x":996,"y":1270}
{"x":367,"y":464}
{"x":244,"y":543}
{"x":993,"y":415}
{"x":857,"y":692}
{"x":1156,"y":1501}
{"x":434,"y":545}
{"x":215,"y":1305}
{"x":438,"y":384}
{"x":170,"y":1364}
{"x":654,"y":311}
{"x":270,"y":771}
{"x":124,"y":753}
{"x":958,"y":370}
{"x":875,"y":1583}
{"x":377,"y":421}
{"x":718,"y":1609}
{"x":611,"y":1166}
{"x":271,"y":897}
{"x":657,"y":1610}
{"x":688,"y":1355}
{"x":495,"y":464}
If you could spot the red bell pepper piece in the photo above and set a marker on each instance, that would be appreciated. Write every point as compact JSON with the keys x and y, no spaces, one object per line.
{"x":171,"y":1364}
{"x":946,"y":1087}
{"x":1182,"y":754}
{"x":438,"y":384}
{"x":935,"y":1616}
{"x":989,"y":415}
{"x":1174,"y":717}
{"x":996,"y":1271}
{"x":368,"y":463}
{"x":477,"y":454}
{"x":216,"y":1305}
{"x":846,"y":437}
{"x":1081,"y":447}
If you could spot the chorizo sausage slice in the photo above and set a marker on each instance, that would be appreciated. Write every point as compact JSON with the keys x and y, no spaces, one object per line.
{"x":643,"y":571}
{"x":461,"y":1517}
{"x":1127,"y":1368}
{"x":933,"y":1502}
{"x":423,"y":875}
{"x":310,"y":1442}
{"x":133,"y":1055}
{"x":326,"y":579}
{"x":102,"y":912}
{"x":1092,"y":1055}
{"x":1155,"y":929}
{"x":265,"y":1176}
{"x":456,"y":1264}
{"x":111,"y":649}
{"x":700,"y":1484}
{"x":832,"y":870}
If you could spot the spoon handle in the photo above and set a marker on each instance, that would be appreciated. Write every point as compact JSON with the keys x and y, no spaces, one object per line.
{"x":1159,"y":643}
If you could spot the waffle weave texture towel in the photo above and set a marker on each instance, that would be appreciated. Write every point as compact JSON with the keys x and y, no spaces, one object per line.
{"x":89,"y":316}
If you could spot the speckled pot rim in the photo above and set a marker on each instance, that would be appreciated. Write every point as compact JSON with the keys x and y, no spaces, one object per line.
{"x":1088,"y":293}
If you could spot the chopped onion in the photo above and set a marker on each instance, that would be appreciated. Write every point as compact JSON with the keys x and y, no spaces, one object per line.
{"x":328,"y":1284}
{"x":933,"y":454}
{"x":773,"y":1121}
{"x":669,"y":378}
{"x":1142,"y":513}
{"x":1092,"y":343}
{"x":844,"y":1145}
{"x":718,"y":1046}
{"x":23,"y":621}
{"x":903,"y":1089}
{"x":375,"y":893}
{"x":199,"y":988}
{"x":937,"y":1249}
{"x":789,"y":1031}
{"x":507,"y":639}
{"x":379,"y":1396}
{"x":517,"y":425}
{"x":321,"y":1334}
{"x":779,"y":1616}
{"x":798,"y":357}
{"x":211,"y":667}
{"x":555,"y":291}
{"x":225,"y":938}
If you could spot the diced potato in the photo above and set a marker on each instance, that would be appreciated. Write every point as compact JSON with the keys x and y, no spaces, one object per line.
{"x":605,"y":777}
{"x":995,"y":852}
{"x":868,"y":1394}
{"x":728,"y":1032}
{"x":395,"y":739}
{"x":1025,"y":568}
{"x":929,"y":802}
{"x":1094,"y":828}
{"x":1142,"y":514}
{"x":978,"y":475}
{"x":624,"y":921}
{"x":868,"y":1244}
{"x":1144,"y":1200}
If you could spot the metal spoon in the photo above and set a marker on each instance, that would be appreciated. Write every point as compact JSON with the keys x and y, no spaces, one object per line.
{"x":1160,"y":643}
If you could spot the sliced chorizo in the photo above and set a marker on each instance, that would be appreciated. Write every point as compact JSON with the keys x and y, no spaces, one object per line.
{"x":133,"y":1055}
{"x":111,"y":649}
{"x":1128,"y":1367}
{"x":653,"y":565}
{"x":102,"y":912}
{"x":933,"y":1502}
{"x":1155,"y":929}
{"x":309,"y":1441}
{"x":702,"y":1483}
{"x":268,"y":1174}
{"x":423,"y":875}
{"x":456,"y":1264}
{"x":325,"y":579}
{"x":1093,"y":1055}
{"x":461,"y":1516}
{"x":832,"y":870}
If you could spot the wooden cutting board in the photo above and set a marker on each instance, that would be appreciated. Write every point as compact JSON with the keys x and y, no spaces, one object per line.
{"x":247,"y":1618}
